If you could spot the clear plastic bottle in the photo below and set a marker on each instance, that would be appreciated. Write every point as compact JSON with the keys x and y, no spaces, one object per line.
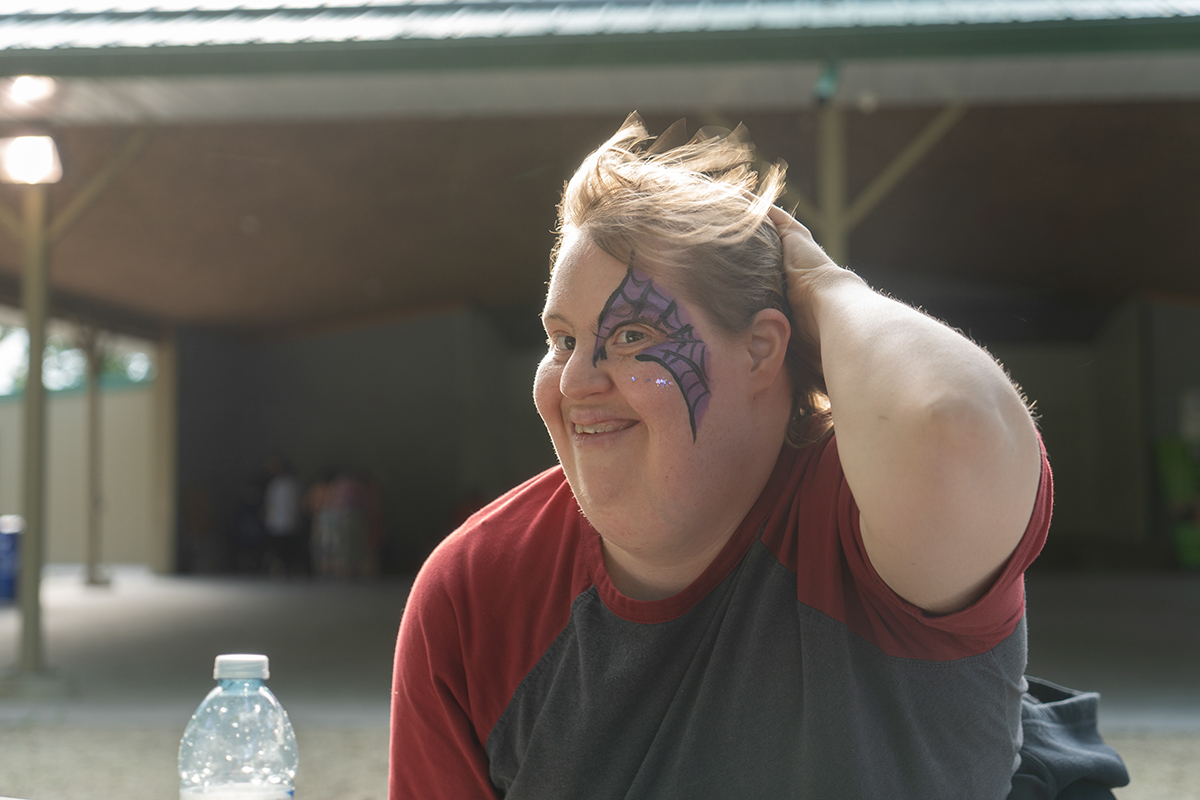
{"x":239,"y":745}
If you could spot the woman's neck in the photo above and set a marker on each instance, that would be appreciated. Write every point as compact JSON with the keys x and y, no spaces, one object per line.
{"x":642,"y":578}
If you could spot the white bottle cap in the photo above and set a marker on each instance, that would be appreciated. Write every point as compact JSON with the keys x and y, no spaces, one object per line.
{"x":241,"y":666}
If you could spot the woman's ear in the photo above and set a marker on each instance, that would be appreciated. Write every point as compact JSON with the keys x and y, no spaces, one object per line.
{"x":768,"y":341}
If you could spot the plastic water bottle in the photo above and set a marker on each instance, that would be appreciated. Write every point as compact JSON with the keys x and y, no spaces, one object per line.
{"x":239,"y":745}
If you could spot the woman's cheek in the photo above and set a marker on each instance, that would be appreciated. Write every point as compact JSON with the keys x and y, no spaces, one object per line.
{"x":652,"y":389}
{"x":546,"y":387}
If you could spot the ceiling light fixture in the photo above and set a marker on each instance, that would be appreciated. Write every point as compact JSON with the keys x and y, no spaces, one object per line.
{"x":29,"y":91}
{"x":29,"y":160}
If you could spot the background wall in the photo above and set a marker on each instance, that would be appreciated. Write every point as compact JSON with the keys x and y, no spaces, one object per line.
{"x":127,"y":530}
{"x":437,"y":408}
{"x":1174,"y":331}
{"x":1014,"y":228}
{"x":1101,"y":402}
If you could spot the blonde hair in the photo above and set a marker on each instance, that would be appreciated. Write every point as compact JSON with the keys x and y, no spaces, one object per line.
{"x":696,"y":213}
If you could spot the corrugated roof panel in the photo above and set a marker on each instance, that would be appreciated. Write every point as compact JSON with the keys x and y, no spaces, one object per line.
{"x":723,"y":16}
{"x":183,"y":6}
{"x":777,"y":15}
{"x":570,"y":21}
{"x":49,"y":24}
{"x":630,"y":18}
{"x":152,"y":31}
{"x":447,"y":23}
{"x":537,"y":25}
{"x":844,"y":10}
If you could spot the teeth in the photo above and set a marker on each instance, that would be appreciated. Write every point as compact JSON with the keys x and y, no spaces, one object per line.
{"x":604,"y":427}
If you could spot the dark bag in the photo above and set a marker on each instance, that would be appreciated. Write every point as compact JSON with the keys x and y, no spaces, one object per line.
{"x":1063,"y":756}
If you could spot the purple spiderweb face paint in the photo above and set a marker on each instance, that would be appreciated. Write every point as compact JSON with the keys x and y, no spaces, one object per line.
{"x":638,"y":300}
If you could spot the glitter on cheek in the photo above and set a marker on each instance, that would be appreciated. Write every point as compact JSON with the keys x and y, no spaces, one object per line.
{"x":661,"y":382}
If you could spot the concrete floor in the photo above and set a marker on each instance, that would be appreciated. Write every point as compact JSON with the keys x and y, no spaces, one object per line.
{"x":134,"y":660}
{"x":1135,"y":639}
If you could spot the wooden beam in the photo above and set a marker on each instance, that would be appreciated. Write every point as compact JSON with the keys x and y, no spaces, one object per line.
{"x":834,"y":218}
{"x":97,"y":184}
{"x":894,"y":172}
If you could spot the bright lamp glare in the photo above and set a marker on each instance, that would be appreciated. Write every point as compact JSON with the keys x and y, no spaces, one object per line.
{"x":29,"y":159}
{"x":29,"y":90}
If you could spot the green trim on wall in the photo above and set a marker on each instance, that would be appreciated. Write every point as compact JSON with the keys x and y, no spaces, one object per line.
{"x":107,"y":384}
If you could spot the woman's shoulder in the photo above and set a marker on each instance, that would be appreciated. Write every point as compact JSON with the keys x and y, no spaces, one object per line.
{"x":525,"y":535}
{"x":492,"y":597}
{"x":546,"y":488}
{"x":533,"y":509}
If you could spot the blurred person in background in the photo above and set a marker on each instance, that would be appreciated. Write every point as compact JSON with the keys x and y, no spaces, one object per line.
{"x":283,"y":520}
{"x":319,"y":504}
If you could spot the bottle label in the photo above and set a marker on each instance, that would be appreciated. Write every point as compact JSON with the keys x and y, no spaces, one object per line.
{"x":234,"y":792}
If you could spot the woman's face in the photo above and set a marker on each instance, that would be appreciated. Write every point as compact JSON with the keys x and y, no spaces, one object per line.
{"x":647,"y":403}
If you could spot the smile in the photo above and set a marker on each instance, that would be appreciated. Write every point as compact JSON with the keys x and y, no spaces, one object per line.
{"x":604,"y":427}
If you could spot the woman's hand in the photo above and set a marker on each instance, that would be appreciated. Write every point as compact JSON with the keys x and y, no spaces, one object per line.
{"x":808,"y":269}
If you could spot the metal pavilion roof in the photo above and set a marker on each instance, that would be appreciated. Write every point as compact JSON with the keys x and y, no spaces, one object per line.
{"x":65,"y":32}
{"x":206,"y":73}
{"x":175,"y":60}
{"x":143,"y":23}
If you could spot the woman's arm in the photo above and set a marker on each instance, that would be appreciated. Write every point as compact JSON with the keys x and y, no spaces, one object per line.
{"x":937,"y":445}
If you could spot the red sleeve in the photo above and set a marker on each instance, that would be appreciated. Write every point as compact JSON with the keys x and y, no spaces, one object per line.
{"x":435,"y":752}
{"x":484,"y":608}
{"x":813,"y":530}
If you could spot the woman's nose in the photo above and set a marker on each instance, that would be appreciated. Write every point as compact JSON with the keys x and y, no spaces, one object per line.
{"x":581,"y":377}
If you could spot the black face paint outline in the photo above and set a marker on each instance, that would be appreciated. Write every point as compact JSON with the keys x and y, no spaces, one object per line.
{"x":683,"y":354}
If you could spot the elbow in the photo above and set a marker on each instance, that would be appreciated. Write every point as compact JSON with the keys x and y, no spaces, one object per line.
{"x":994,"y":427}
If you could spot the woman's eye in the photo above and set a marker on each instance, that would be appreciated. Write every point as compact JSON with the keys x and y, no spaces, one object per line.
{"x":629,"y":336}
{"x":562,"y":342}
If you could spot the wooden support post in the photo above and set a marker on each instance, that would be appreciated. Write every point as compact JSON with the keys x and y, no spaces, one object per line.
{"x":34,"y":291}
{"x":166,"y":439}
{"x":36,"y":234}
{"x":831,"y":182}
{"x":90,"y":341}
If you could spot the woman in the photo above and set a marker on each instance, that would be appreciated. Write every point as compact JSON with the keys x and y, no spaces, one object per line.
{"x":806,"y":511}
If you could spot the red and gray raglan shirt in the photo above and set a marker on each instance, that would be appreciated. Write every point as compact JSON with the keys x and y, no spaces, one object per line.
{"x":787,"y":669}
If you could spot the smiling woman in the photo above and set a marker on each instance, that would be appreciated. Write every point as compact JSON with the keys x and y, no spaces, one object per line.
{"x":694,"y":215}
{"x":650,"y":468}
{"x":714,"y":595}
